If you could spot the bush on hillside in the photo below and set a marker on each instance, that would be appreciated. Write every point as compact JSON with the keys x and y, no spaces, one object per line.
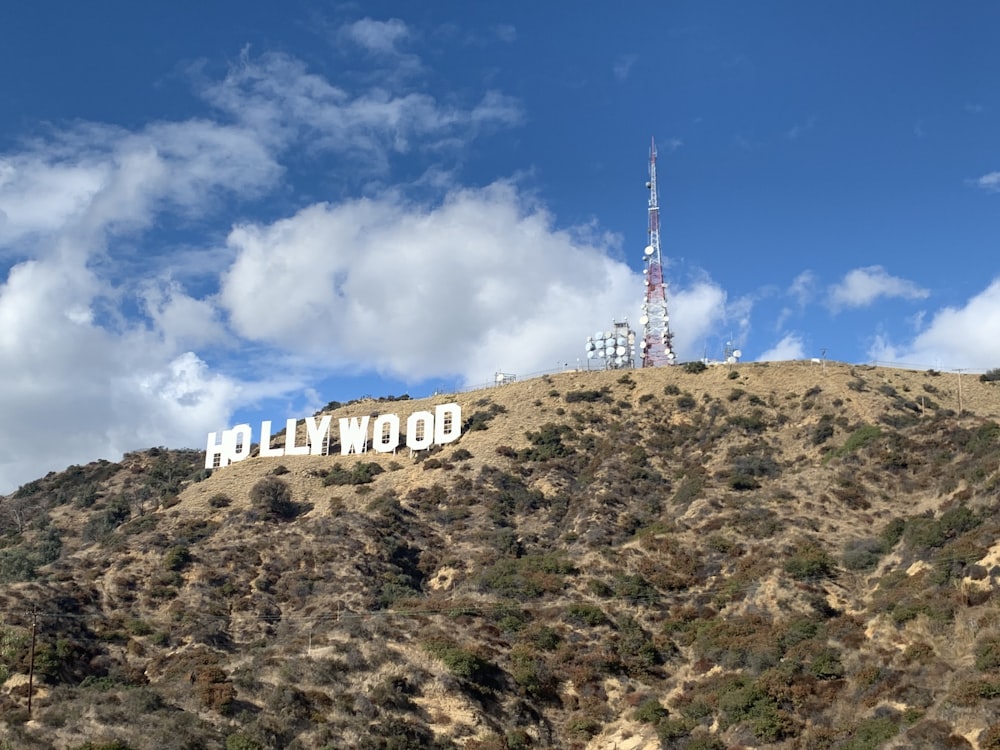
{"x":273,"y":496}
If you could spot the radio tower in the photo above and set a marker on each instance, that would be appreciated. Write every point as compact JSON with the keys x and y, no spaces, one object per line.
{"x":657,"y":343}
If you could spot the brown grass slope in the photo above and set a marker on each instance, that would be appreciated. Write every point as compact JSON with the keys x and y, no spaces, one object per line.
{"x":774,"y":555}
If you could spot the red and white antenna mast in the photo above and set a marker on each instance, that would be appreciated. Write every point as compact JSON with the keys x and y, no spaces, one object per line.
{"x":657,"y":343}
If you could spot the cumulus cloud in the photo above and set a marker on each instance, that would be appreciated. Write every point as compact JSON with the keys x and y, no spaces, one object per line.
{"x":989,"y":182}
{"x":75,"y":391}
{"x":789,"y":347}
{"x":482,"y":280}
{"x":956,"y":337}
{"x":862,"y":286}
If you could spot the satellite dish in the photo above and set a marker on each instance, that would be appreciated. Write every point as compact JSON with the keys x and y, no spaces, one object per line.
{"x":648,"y":250}
{"x":737,"y":353}
{"x":607,"y":334}
{"x":620,"y":350}
{"x":731,"y":360}
{"x":590,"y":354}
{"x":590,"y":346}
{"x":599,"y":335}
{"x":600,"y":353}
{"x":644,"y":320}
{"x":666,"y":318}
{"x":671,"y":355}
{"x":642,"y":344}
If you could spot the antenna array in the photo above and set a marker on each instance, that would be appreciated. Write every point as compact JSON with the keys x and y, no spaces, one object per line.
{"x":657,"y":343}
{"x":614,"y":349}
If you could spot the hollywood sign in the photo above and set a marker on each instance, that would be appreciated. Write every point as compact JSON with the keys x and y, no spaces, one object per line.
{"x":423,"y":429}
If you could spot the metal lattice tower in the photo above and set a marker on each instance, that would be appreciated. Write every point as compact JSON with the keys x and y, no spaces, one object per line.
{"x":657,"y":343}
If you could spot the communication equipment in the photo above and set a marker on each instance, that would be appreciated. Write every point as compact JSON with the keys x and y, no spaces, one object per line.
{"x":614,"y":347}
{"x":655,"y":320}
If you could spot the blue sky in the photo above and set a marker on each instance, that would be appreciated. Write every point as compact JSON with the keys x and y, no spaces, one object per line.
{"x":223,"y":212}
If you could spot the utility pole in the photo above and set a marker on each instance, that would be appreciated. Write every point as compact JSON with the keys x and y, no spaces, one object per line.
{"x":959,"y":392}
{"x":31,"y":658}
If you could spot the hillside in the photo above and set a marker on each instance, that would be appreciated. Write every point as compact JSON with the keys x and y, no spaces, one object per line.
{"x":781,"y":555}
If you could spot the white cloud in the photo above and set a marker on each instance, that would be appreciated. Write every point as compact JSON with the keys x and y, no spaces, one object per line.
{"x":803,"y":288}
{"x":862,"y":286}
{"x":799,"y":129}
{"x":74,"y":391}
{"x":83,"y":377}
{"x":956,"y":337}
{"x":93,"y":181}
{"x":506,"y":32}
{"x":989,"y":182}
{"x":281,"y":102}
{"x":790,"y":347}
{"x":480,"y":281}
{"x":378,"y":37}
{"x":181,"y":321}
{"x":623,"y":66}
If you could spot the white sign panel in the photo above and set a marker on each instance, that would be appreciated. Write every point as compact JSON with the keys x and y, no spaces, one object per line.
{"x":423,"y":429}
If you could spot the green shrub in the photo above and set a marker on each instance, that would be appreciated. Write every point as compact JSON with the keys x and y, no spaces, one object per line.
{"x":686,"y":402}
{"x":547,"y":443}
{"x":239,"y":741}
{"x":585,"y":614}
{"x":871,"y":733}
{"x":823,"y":430}
{"x":138,"y":627}
{"x":650,"y":712}
{"x":808,"y":560}
{"x":361,"y":473}
{"x":273,"y":496}
{"x":460,"y":661}
{"x":988,"y":654}
{"x":858,"y":439}
{"x":589,"y":396}
{"x":990,"y":375}
{"x":219,"y":500}
{"x":695,"y":367}
{"x":826,"y":665}
{"x":892,"y":532}
{"x":177,"y":558}
{"x":862,"y":554}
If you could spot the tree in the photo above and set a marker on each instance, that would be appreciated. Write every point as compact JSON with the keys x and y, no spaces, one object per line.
{"x":273,"y":496}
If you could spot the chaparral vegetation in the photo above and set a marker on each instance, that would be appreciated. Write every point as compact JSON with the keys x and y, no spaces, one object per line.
{"x":771,"y":555}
